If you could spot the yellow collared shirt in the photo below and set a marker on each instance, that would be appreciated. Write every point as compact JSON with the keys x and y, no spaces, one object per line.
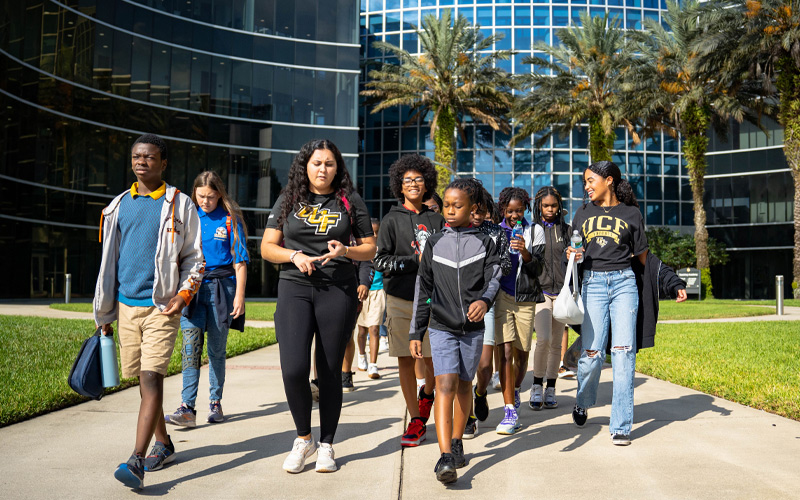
{"x":158,"y":193}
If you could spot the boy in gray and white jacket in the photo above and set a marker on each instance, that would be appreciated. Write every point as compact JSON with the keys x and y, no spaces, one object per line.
{"x":456,"y":284}
{"x":152,"y":266}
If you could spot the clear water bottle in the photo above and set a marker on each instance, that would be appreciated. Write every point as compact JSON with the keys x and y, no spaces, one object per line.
{"x":516,"y":234}
{"x":108,"y":361}
{"x":577,"y":243}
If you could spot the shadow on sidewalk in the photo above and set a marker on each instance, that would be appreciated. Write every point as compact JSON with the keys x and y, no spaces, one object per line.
{"x":659,"y":414}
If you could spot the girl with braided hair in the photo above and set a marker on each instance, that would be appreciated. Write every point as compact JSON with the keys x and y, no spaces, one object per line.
{"x":309,"y":232}
{"x":548,"y":213}
{"x":516,"y":301}
{"x":612,"y":229}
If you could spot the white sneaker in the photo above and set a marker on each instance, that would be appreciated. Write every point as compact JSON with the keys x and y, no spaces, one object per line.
{"x":384,"y":345}
{"x":362,"y":362}
{"x":550,"y":398}
{"x":372,"y":371}
{"x":536,"y":401}
{"x":496,"y":381}
{"x":325,"y":458}
{"x":301,"y":450}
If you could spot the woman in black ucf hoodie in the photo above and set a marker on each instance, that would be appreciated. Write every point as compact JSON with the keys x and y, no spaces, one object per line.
{"x":404,"y":231}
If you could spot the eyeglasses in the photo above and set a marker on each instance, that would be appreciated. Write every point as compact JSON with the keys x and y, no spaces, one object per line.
{"x":407,"y":181}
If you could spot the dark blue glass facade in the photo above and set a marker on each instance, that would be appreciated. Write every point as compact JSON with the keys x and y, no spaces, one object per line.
{"x":233,"y":86}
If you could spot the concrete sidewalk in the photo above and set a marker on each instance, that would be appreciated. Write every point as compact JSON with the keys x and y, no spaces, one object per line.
{"x":685,"y":445}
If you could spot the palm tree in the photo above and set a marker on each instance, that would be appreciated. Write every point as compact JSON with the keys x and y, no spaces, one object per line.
{"x":451,"y":79}
{"x":589,"y":66}
{"x":674,"y":97}
{"x":760,"y":39}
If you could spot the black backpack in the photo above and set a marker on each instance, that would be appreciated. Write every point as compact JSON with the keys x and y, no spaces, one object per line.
{"x":86,"y":377}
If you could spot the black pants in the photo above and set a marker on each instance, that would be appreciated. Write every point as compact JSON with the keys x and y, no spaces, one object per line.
{"x":302,"y":312}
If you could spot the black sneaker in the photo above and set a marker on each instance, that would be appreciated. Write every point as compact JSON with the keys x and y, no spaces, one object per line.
{"x":471,"y":429}
{"x":446,"y":469}
{"x":160,"y":455}
{"x":621,"y":439}
{"x":457,"y":450}
{"x":131,"y":473}
{"x":579,"y":416}
{"x":347,"y":382}
{"x":481,"y":405}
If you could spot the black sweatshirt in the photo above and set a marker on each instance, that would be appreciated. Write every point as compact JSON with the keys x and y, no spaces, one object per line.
{"x":401,"y":241}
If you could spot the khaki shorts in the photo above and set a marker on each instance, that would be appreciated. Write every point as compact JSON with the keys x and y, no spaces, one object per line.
{"x":513,"y":321}
{"x":398,"y":323}
{"x":372,"y":309}
{"x":146,"y":339}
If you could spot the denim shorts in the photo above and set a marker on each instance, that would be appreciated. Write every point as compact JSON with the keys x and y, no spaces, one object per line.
{"x":453,"y":353}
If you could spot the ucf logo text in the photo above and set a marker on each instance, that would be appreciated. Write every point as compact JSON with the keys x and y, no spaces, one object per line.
{"x":321,"y":219}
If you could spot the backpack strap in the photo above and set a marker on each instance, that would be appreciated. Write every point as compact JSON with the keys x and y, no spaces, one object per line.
{"x":228,"y":224}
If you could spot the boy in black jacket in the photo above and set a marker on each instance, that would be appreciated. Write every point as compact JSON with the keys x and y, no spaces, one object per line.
{"x":404,"y":232}
{"x":456,"y":284}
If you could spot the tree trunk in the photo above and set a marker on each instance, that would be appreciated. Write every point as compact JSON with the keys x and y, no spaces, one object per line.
{"x":788,"y":84}
{"x":600,"y":143}
{"x":695,"y":144}
{"x":444,"y":147}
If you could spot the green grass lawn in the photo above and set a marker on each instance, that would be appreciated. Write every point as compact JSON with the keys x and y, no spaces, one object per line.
{"x":710,"y":309}
{"x":260,"y":311}
{"x":754,"y":363}
{"x":38,"y":354}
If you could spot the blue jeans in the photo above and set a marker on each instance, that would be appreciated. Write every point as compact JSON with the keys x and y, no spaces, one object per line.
{"x":203,"y":320}
{"x":610,"y":298}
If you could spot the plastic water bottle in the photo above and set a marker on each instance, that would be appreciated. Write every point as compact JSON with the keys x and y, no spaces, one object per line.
{"x":516,"y":234}
{"x":577,"y":243}
{"x":108,"y":361}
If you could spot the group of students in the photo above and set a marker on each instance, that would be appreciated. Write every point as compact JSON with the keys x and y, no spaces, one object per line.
{"x":458,"y":287}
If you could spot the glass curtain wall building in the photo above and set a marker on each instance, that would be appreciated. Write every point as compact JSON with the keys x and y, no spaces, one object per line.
{"x":655,"y":167}
{"x":749,"y":206}
{"x":235,"y":86}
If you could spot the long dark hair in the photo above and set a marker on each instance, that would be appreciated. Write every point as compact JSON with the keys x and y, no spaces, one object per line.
{"x":537,"y":207}
{"x":621,"y":188}
{"x":296,"y":190}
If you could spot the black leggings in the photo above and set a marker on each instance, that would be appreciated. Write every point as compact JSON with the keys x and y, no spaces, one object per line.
{"x":303,"y":311}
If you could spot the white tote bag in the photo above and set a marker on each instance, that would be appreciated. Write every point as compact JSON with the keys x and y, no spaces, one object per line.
{"x":568,"y":307}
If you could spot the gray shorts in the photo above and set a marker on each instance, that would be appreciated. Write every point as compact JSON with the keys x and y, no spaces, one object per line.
{"x":488,"y":333}
{"x":453,"y":353}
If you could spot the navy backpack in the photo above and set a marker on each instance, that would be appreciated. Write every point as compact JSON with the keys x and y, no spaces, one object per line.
{"x":85,"y":378}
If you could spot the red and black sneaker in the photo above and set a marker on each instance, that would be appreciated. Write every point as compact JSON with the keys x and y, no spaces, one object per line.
{"x":415,"y":434}
{"x":425,"y":404}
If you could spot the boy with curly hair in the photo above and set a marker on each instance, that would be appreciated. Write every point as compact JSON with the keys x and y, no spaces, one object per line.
{"x":404,"y":231}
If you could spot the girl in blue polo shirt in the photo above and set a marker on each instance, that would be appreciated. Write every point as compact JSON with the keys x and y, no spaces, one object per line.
{"x":220,"y":300}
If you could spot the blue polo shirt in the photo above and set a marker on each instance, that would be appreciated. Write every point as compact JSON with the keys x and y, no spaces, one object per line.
{"x":217,"y":242}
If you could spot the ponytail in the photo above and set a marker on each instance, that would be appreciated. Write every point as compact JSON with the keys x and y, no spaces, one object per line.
{"x":622,"y":188}
{"x":624,"y":192}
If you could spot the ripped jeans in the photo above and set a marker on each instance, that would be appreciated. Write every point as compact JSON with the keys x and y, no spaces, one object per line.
{"x":610,"y":299}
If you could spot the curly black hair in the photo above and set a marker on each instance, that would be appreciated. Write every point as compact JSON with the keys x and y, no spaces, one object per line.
{"x":407,"y":163}
{"x":514,"y":193}
{"x":621,"y":188}
{"x":471,"y":187}
{"x":155,"y":141}
{"x":296,"y":190}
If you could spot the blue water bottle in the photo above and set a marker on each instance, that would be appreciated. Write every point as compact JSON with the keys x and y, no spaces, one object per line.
{"x":108,"y":361}
{"x":516,"y":234}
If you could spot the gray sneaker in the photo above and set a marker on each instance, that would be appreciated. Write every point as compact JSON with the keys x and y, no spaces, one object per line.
{"x":550,"y":401}
{"x":131,"y":473}
{"x":215,"y":414}
{"x":621,"y":439}
{"x":160,"y":455}
{"x":183,"y":416}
